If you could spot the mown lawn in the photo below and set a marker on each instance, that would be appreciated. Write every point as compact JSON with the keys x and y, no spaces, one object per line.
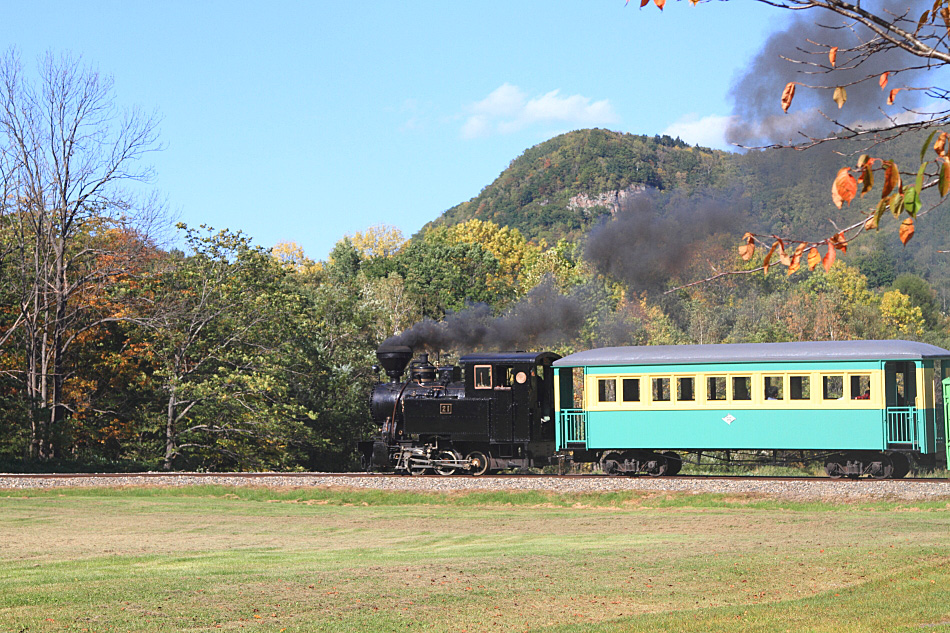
{"x":211,"y":558}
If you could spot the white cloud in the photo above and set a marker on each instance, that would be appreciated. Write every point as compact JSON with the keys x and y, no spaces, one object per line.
{"x":508,"y":109}
{"x":708,"y":131}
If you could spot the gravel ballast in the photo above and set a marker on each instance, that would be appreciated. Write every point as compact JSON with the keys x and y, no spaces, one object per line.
{"x":798,"y":489}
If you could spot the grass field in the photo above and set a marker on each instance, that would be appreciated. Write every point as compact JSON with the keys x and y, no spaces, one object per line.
{"x":211,"y":558}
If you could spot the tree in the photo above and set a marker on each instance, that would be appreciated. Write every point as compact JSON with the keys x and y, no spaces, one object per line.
{"x":65,"y":153}
{"x":215,"y":322}
{"x":509,"y":247}
{"x":861,"y":47}
{"x":380,"y":240}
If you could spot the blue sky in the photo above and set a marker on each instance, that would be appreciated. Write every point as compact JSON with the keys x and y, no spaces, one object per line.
{"x":306,"y":121}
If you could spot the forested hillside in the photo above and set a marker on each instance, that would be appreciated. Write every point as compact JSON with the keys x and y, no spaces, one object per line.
{"x":565,"y":186}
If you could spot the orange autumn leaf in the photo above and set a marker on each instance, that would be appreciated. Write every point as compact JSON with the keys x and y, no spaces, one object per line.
{"x":787,"y":95}
{"x":940,"y":146}
{"x":829,"y":258}
{"x":768,"y":259}
{"x":814,"y":258}
{"x":844,"y":188}
{"x":660,"y":3}
{"x":796,"y":259}
{"x":892,"y":178}
{"x":748,"y":249}
{"x":882,"y":80}
{"x":833,"y":55}
{"x":644,"y":3}
{"x":782,"y":255}
{"x":890,"y":98}
{"x":906,"y":230}
{"x":839,"y":242}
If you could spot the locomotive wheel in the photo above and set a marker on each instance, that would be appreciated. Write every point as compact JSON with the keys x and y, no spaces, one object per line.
{"x":901,"y":465}
{"x":674,"y":463}
{"x":610,"y":462}
{"x":445,"y":471}
{"x":366,"y":463}
{"x":479,"y":462}
{"x":661,"y":466}
{"x":418,"y":465}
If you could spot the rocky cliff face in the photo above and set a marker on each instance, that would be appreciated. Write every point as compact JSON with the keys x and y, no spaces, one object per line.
{"x":611,"y":200}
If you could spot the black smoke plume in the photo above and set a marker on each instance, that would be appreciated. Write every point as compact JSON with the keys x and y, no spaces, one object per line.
{"x":543,"y":317}
{"x":647,"y":242}
{"x":758,"y":118}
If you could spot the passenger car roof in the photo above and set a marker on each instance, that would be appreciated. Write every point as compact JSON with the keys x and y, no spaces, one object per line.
{"x":754,"y":352}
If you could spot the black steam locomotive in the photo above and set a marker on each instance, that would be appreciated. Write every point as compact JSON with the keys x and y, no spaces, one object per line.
{"x":494,"y":412}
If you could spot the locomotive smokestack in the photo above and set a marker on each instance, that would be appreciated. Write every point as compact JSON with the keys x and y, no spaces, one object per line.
{"x":394,"y":359}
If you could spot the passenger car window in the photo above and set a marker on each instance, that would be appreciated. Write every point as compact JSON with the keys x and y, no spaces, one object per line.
{"x":631,"y":390}
{"x":861,"y":387}
{"x":607,"y":390}
{"x":774,"y":389}
{"x":716,"y":388}
{"x":799,"y":388}
{"x":684,"y":389}
{"x":742,"y":387}
{"x":832,"y":387}
{"x":661,"y":390}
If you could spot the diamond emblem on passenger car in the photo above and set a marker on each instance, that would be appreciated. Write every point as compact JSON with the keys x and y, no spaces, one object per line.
{"x":729,"y":419}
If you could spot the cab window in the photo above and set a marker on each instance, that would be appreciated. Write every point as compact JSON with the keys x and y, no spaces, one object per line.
{"x":483,"y":376}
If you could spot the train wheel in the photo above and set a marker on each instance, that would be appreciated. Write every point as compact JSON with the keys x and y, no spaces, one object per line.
{"x":881,"y":468}
{"x":418,"y":465}
{"x":479,"y":462}
{"x":610,"y":462}
{"x":445,"y":471}
{"x":657,"y":466}
{"x":834,"y":468}
{"x":674,"y":463}
{"x":901,"y":465}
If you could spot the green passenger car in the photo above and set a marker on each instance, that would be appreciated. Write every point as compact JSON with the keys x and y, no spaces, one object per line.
{"x":862,"y":407}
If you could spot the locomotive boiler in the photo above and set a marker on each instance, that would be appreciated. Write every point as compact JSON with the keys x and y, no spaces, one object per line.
{"x":493,"y":411}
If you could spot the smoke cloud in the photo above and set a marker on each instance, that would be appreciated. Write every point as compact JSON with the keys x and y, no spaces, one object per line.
{"x":758,"y":118}
{"x":543,"y":317}
{"x":647,"y":241}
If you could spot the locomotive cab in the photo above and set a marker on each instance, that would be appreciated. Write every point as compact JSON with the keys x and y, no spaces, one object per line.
{"x":495,"y":412}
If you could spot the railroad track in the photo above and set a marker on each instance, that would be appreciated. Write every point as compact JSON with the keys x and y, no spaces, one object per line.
{"x":797,"y":488}
{"x":494,"y":477}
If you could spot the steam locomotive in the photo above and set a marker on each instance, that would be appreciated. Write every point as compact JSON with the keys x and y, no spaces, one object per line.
{"x":500,"y":416}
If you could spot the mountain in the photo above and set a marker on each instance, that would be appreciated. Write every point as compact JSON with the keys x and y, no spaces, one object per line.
{"x":561,"y":187}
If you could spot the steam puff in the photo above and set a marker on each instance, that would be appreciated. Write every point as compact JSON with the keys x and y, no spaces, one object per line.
{"x":543,"y":317}
{"x":647,"y":241}
{"x":757,"y":113}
